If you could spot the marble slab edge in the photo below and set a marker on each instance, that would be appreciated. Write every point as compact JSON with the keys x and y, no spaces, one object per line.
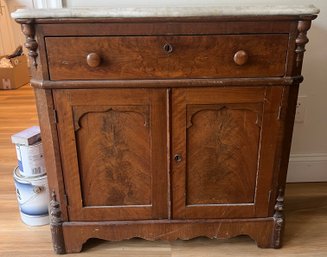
{"x":106,"y":12}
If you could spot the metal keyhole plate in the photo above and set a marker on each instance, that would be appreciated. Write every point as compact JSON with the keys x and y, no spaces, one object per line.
{"x":178,"y":157}
{"x":168,"y":48}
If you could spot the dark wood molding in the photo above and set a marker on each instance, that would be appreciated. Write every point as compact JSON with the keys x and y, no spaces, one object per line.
{"x":70,"y":84}
{"x":56,"y":225}
{"x":278,"y":219}
{"x":28,"y":28}
{"x":192,"y":110}
{"x":301,"y":40}
{"x":80,"y":113}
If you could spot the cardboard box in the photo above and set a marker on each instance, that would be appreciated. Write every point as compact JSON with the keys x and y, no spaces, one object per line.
{"x":27,"y":137}
{"x":12,"y":78}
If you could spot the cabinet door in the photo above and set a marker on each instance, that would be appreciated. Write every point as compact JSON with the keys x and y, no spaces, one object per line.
{"x":113,"y":146}
{"x":223,"y":151}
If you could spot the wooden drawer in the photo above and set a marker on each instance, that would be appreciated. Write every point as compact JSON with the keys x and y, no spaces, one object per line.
{"x":155,"y":57}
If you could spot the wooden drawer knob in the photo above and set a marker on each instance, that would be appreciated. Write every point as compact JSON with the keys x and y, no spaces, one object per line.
{"x":93,"y":60}
{"x":241,"y":57}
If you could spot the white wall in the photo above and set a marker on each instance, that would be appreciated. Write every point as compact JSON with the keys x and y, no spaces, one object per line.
{"x":7,"y":41}
{"x":19,"y":38}
{"x":309,"y":148}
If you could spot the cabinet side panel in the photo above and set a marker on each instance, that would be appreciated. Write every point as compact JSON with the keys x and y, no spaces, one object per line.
{"x":49,"y":135}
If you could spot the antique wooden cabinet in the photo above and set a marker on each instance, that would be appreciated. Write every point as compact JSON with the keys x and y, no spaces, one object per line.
{"x":166,"y":125}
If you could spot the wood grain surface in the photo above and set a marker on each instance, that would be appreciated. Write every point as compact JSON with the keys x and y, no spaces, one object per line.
{"x":118,"y":169}
{"x":306,"y":211}
{"x":144,"y":57}
{"x":113,"y":145}
{"x":170,"y":161}
{"x":224,"y":136}
{"x":222,"y":148}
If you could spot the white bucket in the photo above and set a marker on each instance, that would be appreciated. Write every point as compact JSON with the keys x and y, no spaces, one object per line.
{"x":31,"y":160}
{"x":33,"y":198}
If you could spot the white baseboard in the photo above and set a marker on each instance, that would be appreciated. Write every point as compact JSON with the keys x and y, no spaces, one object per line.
{"x":307,"y":168}
{"x":39,"y":4}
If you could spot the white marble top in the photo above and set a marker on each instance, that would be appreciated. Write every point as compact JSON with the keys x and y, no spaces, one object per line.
{"x":97,"y":12}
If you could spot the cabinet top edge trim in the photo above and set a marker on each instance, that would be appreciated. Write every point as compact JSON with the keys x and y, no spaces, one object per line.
{"x":197,"y":19}
{"x":159,"y":83}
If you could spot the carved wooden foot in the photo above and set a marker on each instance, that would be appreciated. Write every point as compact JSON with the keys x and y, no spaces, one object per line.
{"x":74,"y":246}
{"x":272,"y":240}
{"x":264,"y":242}
{"x":56,"y":225}
{"x":278,"y":220}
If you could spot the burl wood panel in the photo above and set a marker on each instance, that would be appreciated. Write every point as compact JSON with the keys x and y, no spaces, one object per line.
{"x":118,"y":169}
{"x":222,"y":149}
{"x":113,"y":147}
{"x":135,"y":57}
{"x":223,"y":136}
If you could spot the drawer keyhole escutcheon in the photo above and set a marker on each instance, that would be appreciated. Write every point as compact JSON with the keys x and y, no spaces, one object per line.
{"x":241,"y":57}
{"x":178,"y":158}
{"x":168,"y":48}
{"x":93,"y":60}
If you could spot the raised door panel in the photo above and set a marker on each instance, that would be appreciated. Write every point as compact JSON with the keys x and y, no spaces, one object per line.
{"x":221,"y":154}
{"x":113,"y":145}
{"x":224,"y":143}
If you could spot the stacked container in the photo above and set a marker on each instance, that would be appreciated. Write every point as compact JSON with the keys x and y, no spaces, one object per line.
{"x":30,"y":177}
